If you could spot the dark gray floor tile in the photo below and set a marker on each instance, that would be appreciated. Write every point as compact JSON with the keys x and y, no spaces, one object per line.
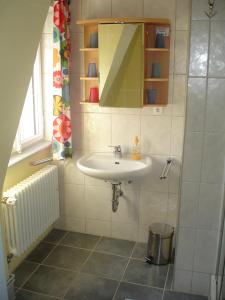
{"x":80,"y":240}
{"x":169,"y":280}
{"x":105,"y":265}
{"x":27,"y":295}
{"x":116,"y":246}
{"x":137,"y":292}
{"x":55,"y":236}
{"x":50,"y":281}
{"x":144,"y":273}
{"x":67,"y":257}
{"x":180,"y":296}
{"x":40,"y":252}
{"x":140,"y":251}
{"x":23,"y":272}
{"x":88,"y":286}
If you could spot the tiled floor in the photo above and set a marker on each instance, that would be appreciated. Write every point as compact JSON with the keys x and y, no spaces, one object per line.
{"x":77,"y":266}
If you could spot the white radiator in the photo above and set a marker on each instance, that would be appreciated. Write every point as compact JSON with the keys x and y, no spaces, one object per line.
{"x":31,"y":207}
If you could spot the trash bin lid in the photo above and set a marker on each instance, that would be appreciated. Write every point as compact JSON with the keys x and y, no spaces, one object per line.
{"x":161,"y":229}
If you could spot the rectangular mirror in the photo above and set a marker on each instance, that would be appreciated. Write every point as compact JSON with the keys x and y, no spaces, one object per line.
{"x":121,"y":64}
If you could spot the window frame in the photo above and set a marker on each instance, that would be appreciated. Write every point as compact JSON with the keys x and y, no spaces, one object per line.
{"x":37,"y":89}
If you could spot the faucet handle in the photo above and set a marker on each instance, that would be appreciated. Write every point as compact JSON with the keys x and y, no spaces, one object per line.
{"x":116,"y":148}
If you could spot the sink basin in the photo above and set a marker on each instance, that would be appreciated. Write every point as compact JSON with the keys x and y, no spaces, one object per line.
{"x":105,"y":166}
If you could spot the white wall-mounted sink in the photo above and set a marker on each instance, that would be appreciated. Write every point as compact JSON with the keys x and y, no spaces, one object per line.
{"x":104,"y":166}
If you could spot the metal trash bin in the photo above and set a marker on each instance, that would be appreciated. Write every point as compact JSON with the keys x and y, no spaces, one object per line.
{"x":160,"y":243}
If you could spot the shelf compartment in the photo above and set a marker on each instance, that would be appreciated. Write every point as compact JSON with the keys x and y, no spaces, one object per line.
{"x":89,"y":78}
{"x":160,"y":57}
{"x":88,"y":102}
{"x":155,"y":105}
{"x":156,"y":79}
{"x":157,"y":49}
{"x":150,"y":36}
{"x":89,"y":49}
{"x":162,"y":92}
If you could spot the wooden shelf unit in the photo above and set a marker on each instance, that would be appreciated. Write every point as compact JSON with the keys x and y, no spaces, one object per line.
{"x":90,"y":55}
{"x":156,"y":55}
{"x":151,"y":55}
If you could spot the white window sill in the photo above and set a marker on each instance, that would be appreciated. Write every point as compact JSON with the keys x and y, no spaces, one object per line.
{"x":16,"y":158}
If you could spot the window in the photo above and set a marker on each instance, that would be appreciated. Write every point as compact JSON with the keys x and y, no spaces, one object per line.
{"x":31,"y":128}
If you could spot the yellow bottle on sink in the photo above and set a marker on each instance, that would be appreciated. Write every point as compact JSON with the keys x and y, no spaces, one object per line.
{"x":136,"y":153}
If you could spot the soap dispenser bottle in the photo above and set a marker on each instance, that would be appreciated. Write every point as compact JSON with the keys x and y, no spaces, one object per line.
{"x":136,"y":153}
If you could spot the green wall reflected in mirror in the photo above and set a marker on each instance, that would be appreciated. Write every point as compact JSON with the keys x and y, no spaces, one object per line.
{"x":121,"y":64}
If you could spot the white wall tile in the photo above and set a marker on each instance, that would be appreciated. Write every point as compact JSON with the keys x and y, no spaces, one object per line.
{"x":192,"y":156}
{"x":196,"y":104}
{"x":213,"y":158}
{"x":172,"y":212}
{"x":128,"y":210}
{"x":200,"y":284}
{"x":220,"y":9}
{"x":73,"y":204}
{"x":181,"y":52}
{"x":96,"y":9}
{"x":210,"y":205}
{"x":152,"y":181}
{"x":153,"y":208}
{"x":71,"y":172}
{"x":98,"y":203}
{"x":179,"y":95}
{"x":198,"y":9}
{"x":143,"y":232}
{"x":182,"y":281}
{"x":205,"y":251}
{"x":155,"y":135}
{"x":215,"y":105}
{"x":70,"y":224}
{"x":125,"y":231}
{"x":174,"y":175}
{"x":217,"y":48}
{"x":160,"y":9}
{"x":124,"y":129}
{"x":76,"y":93}
{"x":185,"y":249}
{"x":77,"y":130}
{"x":189,"y":204}
{"x":199,"y":48}
{"x":96,"y":182}
{"x":183,"y":14}
{"x":97,"y":132}
{"x":127,"y":8}
{"x":98,"y":227}
{"x":177,"y":136}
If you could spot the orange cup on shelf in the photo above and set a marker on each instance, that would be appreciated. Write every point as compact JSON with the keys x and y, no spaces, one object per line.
{"x":94,"y":95}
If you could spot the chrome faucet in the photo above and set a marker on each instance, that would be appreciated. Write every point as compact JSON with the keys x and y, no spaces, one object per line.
{"x":117,"y":151}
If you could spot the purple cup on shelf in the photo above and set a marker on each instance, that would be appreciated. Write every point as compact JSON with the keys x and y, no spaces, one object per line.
{"x":94,"y":40}
{"x":92,"y":70}
{"x":151,"y":96}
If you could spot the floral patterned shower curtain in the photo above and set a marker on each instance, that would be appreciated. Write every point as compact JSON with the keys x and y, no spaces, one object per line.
{"x":62,"y":143}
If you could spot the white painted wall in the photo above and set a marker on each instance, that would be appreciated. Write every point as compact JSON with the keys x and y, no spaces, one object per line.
{"x":21,"y":25}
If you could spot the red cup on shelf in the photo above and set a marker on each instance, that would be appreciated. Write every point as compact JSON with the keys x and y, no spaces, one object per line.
{"x":94,"y":95}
